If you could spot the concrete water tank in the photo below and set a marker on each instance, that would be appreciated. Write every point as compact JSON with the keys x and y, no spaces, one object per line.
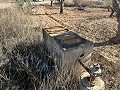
{"x":66,"y":46}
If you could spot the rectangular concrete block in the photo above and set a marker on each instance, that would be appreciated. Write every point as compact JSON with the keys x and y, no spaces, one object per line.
{"x":66,"y":46}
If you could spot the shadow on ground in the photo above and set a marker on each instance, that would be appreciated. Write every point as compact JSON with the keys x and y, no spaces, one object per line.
{"x":106,"y":43}
{"x":43,"y":14}
{"x":21,"y":76}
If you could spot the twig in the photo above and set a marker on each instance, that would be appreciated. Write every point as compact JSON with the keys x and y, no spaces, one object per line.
{"x":1,"y":76}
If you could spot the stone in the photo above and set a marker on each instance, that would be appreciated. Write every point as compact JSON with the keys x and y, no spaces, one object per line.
{"x":86,"y":85}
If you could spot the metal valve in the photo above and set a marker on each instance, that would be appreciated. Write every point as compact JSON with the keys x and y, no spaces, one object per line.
{"x":95,"y":70}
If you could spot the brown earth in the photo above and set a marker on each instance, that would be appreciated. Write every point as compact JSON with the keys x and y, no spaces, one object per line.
{"x":93,"y":24}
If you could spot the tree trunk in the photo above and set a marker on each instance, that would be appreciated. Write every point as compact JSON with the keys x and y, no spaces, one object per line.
{"x":61,"y":6}
{"x":51,"y":3}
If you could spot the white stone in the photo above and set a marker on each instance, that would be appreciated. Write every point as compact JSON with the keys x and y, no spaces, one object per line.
{"x":85,"y":84}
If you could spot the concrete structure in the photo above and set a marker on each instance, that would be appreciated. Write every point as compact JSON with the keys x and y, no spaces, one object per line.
{"x":1,"y":50}
{"x":66,"y":46}
{"x":86,"y":85}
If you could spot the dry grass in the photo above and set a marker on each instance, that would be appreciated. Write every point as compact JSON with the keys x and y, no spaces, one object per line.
{"x":19,"y":36}
{"x":96,"y":3}
{"x":110,"y":72}
{"x":16,"y":27}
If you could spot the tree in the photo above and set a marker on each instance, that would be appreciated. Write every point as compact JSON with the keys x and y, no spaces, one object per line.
{"x":51,"y":2}
{"x":61,"y":6}
{"x":25,"y":5}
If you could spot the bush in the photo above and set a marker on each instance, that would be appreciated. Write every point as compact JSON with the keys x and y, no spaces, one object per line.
{"x":90,"y":3}
{"x":69,"y":3}
{"x":16,"y":27}
{"x":18,"y":37}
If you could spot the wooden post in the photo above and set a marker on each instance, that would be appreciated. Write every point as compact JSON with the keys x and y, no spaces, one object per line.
{"x":61,"y":6}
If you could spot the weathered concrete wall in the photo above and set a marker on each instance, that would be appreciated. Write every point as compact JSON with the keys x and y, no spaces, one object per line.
{"x":0,"y":49}
{"x":82,"y":52}
{"x":66,"y":56}
{"x":53,"y":48}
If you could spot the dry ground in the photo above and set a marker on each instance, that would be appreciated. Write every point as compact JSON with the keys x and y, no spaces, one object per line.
{"x":93,"y":24}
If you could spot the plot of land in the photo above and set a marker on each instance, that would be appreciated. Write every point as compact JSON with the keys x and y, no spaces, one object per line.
{"x":93,"y":24}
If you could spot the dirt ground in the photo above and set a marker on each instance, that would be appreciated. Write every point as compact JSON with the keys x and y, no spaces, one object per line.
{"x":93,"y":24}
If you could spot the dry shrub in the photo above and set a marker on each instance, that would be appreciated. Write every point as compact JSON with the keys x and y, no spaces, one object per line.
{"x":88,"y":3}
{"x":18,"y":37}
{"x":77,"y":2}
{"x":69,"y":3}
{"x":15,"y":27}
